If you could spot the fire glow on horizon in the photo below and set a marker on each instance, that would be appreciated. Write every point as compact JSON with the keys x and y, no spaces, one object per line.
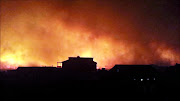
{"x":41,"y":33}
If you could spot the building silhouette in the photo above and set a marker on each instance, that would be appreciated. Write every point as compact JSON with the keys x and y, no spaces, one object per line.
{"x":77,"y":72}
{"x":79,"y":64}
{"x":37,"y":69}
{"x":136,"y":72}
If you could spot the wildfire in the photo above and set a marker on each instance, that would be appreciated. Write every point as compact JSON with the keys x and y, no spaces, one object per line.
{"x":40,"y":34}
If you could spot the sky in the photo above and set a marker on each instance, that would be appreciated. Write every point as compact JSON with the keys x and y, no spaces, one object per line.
{"x":44,"y":32}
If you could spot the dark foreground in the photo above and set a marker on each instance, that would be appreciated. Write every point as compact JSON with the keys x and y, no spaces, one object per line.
{"x":56,"y":84}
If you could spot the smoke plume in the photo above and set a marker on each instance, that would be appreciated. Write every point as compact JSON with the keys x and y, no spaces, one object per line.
{"x":40,"y":33}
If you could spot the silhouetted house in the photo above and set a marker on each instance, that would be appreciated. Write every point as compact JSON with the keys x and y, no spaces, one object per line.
{"x":136,"y":72}
{"x":173,"y":69}
{"x":177,"y":67}
{"x":102,"y":70}
{"x":171,"y":76}
{"x":36,"y":69}
{"x":79,"y":64}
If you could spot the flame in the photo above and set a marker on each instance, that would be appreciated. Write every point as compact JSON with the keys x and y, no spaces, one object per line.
{"x":86,"y":54}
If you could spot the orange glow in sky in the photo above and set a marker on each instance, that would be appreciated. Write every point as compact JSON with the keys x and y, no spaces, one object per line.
{"x":37,"y":33}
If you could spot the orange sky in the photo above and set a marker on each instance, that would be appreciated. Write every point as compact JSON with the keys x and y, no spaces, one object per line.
{"x":39,"y":33}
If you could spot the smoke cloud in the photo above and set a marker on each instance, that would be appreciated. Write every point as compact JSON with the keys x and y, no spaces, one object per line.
{"x":40,"y":33}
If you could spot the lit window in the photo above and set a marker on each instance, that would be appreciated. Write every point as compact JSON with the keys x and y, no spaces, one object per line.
{"x":147,"y":78}
{"x":141,"y":79}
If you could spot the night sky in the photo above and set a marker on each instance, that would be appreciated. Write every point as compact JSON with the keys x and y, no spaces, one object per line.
{"x":42,"y":32}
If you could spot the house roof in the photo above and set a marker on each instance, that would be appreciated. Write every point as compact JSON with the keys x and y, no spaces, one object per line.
{"x":35,"y":68}
{"x":78,"y":59}
{"x":134,"y":67}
